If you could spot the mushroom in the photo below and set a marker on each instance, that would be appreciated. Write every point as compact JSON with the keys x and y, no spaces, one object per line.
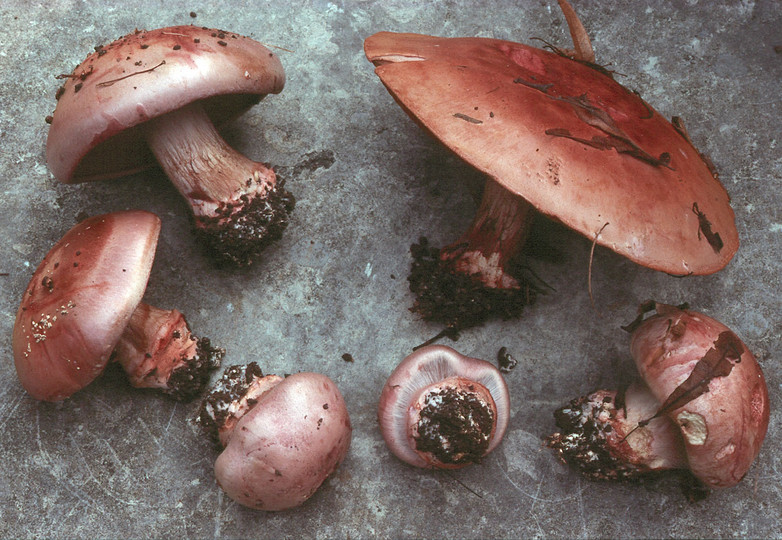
{"x":83,"y":308}
{"x":702,"y":406}
{"x":155,"y":95}
{"x":440,"y":409}
{"x":282,"y":437}
{"x":558,"y":136}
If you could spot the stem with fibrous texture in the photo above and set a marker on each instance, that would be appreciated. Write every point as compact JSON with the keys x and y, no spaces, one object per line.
{"x":471,"y":280}
{"x":157,"y":350}
{"x":239,"y":204}
{"x":605,"y":436}
{"x":494,"y":238}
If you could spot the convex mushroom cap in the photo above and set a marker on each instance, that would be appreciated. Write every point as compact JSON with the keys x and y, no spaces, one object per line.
{"x":281,"y":437}
{"x":82,"y":308}
{"x":144,"y":75}
{"x":724,"y":426}
{"x":157,"y":95}
{"x":569,"y":140}
{"x":702,"y":406}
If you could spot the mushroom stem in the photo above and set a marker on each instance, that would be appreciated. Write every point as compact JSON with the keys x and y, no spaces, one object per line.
{"x":471,"y":280}
{"x":239,"y":389}
{"x":582,"y":45}
{"x":495,"y":237}
{"x":604,"y":435}
{"x":239,"y":204}
{"x":157,"y":350}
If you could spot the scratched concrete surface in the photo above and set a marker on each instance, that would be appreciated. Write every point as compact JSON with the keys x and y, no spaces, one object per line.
{"x":114,"y":462}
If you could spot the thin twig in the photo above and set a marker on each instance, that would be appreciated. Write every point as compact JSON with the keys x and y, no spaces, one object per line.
{"x":109,"y":83}
{"x":465,"y":486}
{"x":589,"y":272}
{"x":276,"y":47}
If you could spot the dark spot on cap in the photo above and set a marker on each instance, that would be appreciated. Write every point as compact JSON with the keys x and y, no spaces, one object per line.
{"x":48,"y":282}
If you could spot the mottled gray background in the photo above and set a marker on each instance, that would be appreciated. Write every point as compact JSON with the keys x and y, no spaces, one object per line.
{"x":113,"y":462}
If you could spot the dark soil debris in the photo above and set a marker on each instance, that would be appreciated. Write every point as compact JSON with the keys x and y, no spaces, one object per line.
{"x":457,"y":299}
{"x":234,"y":237}
{"x":455,"y":427}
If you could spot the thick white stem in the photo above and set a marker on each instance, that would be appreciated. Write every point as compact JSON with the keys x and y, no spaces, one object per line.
{"x":203,"y":167}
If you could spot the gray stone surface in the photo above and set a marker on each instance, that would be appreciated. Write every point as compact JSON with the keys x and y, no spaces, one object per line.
{"x":114,"y":462}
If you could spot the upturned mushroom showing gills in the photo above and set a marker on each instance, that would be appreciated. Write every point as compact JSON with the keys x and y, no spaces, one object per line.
{"x":281,"y":437}
{"x":555,"y":135}
{"x":702,"y":405}
{"x":83,"y":309}
{"x":157,"y":95}
{"x":440,"y":409}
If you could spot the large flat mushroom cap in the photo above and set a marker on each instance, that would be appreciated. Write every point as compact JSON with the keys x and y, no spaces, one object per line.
{"x":570,"y":140}
{"x":80,"y":300}
{"x":142,"y":76}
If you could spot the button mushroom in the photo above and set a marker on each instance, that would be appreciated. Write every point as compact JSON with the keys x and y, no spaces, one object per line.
{"x":83,"y":308}
{"x":702,"y":406}
{"x":440,"y":409}
{"x":155,"y":94}
{"x":282,"y":437}
{"x":558,"y":136}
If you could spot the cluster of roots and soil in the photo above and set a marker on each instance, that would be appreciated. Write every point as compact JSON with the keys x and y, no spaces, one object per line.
{"x":229,"y":390}
{"x":458,"y":300}
{"x":190,"y":379}
{"x":583,"y":443}
{"x":234,"y":236}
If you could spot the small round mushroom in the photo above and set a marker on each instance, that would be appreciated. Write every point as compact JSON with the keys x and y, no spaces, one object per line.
{"x":702,"y":406}
{"x":156,"y":95}
{"x":558,"y":136}
{"x":83,"y":308}
{"x":282,"y":437}
{"x":440,"y":409}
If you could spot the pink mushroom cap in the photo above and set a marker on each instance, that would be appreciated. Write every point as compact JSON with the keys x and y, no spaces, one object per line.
{"x":568,"y":139}
{"x":282,"y":437}
{"x":724,"y":427}
{"x":432,"y":368}
{"x":80,"y":300}
{"x":144,"y":75}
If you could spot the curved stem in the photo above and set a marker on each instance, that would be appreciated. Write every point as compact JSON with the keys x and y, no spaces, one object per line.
{"x":582,"y":45}
{"x":203,"y":167}
{"x":240,"y":206}
{"x":600,"y":435}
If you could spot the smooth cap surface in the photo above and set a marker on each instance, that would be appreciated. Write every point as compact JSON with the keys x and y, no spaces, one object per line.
{"x":144,"y":75}
{"x":80,"y":300}
{"x":724,"y":427}
{"x":570,"y":140}
{"x":287,"y":444}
